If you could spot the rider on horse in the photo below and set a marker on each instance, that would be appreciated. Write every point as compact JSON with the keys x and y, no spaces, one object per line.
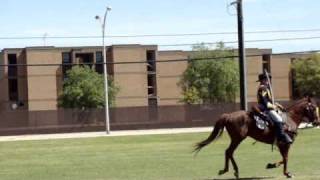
{"x":266,"y":104}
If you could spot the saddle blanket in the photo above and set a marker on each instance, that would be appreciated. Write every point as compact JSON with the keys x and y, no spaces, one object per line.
{"x":260,"y":123}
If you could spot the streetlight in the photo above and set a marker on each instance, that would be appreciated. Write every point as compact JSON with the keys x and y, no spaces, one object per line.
{"x":103,"y":25}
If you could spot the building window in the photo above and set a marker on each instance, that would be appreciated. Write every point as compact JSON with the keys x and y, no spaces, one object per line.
{"x":66,"y":63}
{"x":85,"y":59}
{"x":13,"y":77}
{"x":266,"y":62}
{"x":151,"y":56}
{"x":151,"y":85}
{"x":152,"y":78}
{"x":12,"y":68}
{"x":99,"y":62}
{"x":13,"y":89}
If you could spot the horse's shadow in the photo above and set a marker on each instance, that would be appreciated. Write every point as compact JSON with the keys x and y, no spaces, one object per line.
{"x":246,"y":178}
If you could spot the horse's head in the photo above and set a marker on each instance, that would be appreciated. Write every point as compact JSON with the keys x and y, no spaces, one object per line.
{"x":310,"y":111}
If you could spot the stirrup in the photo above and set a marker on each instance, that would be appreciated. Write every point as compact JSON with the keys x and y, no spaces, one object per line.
{"x":288,"y":139}
{"x":285,"y":138}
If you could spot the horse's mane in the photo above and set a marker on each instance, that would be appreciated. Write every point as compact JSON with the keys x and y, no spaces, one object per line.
{"x":296,"y":104}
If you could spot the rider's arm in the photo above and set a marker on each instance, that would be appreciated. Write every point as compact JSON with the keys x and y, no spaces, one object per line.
{"x":279,"y":106}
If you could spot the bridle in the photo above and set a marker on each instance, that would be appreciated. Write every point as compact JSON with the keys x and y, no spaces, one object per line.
{"x":311,"y":111}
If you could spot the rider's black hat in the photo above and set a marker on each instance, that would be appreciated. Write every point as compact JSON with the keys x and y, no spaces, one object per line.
{"x":263,"y":77}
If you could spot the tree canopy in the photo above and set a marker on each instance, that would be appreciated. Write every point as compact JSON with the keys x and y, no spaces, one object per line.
{"x":84,"y":88}
{"x":212,"y":76}
{"x":307,"y":75}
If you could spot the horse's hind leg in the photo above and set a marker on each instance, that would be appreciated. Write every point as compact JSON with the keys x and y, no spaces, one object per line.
{"x":226,"y":165}
{"x":274,"y":165}
{"x":233,"y":146}
{"x":235,"y":167}
{"x":229,"y":155}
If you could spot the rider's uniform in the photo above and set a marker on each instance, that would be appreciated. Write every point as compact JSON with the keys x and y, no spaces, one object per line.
{"x":265,"y":104}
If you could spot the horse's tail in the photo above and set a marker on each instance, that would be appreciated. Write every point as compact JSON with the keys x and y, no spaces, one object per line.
{"x":215,"y":134}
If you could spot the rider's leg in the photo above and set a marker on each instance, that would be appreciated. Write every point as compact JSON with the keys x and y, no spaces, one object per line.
{"x":281,"y":135}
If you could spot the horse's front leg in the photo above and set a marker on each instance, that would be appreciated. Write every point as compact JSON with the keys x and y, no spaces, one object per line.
{"x":285,"y":171}
{"x":284,"y":150}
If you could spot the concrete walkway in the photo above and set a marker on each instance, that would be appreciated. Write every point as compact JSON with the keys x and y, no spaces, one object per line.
{"x":103,"y":134}
{"x":112,"y":134}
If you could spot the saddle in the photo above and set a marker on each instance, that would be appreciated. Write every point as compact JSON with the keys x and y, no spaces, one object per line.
{"x":263,"y":120}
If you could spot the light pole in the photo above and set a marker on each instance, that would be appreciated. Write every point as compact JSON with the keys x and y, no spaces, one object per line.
{"x":103,"y":25}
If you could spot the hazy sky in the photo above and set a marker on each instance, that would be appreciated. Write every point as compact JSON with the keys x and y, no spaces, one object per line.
{"x":21,"y":18}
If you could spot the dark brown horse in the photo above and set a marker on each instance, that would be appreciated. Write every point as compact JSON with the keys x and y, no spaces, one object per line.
{"x":240,"y":125}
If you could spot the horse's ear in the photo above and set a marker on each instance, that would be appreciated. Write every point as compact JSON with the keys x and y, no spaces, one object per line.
{"x":309,"y":99}
{"x":308,"y":96}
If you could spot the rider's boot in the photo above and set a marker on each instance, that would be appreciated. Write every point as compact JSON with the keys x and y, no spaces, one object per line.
{"x":281,"y":135}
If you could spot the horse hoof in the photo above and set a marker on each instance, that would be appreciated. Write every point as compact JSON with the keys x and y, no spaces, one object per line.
{"x":270,"y":166}
{"x":236,"y":174}
{"x":222,"y":172}
{"x":289,"y":175}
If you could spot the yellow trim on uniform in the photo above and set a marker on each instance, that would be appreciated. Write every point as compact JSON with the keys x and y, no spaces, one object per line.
{"x":269,"y":93}
{"x":264,"y":93}
{"x":270,"y":106}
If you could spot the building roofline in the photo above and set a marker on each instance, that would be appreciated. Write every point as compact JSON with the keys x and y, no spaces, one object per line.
{"x":132,"y":45}
{"x":74,"y":47}
{"x":171,"y":51}
{"x":11,"y":49}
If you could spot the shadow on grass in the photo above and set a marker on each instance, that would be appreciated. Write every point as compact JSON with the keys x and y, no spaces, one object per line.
{"x":246,"y":178}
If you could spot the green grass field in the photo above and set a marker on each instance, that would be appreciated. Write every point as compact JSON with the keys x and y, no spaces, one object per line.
{"x":150,"y":157}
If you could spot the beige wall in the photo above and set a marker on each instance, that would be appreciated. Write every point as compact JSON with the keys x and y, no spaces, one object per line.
{"x":1,"y":67}
{"x":42,"y":81}
{"x":254,"y":68}
{"x":280,"y":71}
{"x":2,"y":83}
{"x":169,"y":75}
{"x":4,"y":95}
{"x":40,"y":85}
{"x":131,"y":78}
{"x":22,"y":79}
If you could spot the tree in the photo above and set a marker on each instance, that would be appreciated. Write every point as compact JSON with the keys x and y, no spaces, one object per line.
{"x":212,"y":76}
{"x":307,"y":75}
{"x":84,"y":88}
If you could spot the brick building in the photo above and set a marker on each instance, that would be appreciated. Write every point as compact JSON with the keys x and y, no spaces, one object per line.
{"x":146,"y":83}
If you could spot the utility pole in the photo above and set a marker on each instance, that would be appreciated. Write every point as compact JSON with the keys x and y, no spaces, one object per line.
{"x":45,"y":39}
{"x":242,"y":58}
